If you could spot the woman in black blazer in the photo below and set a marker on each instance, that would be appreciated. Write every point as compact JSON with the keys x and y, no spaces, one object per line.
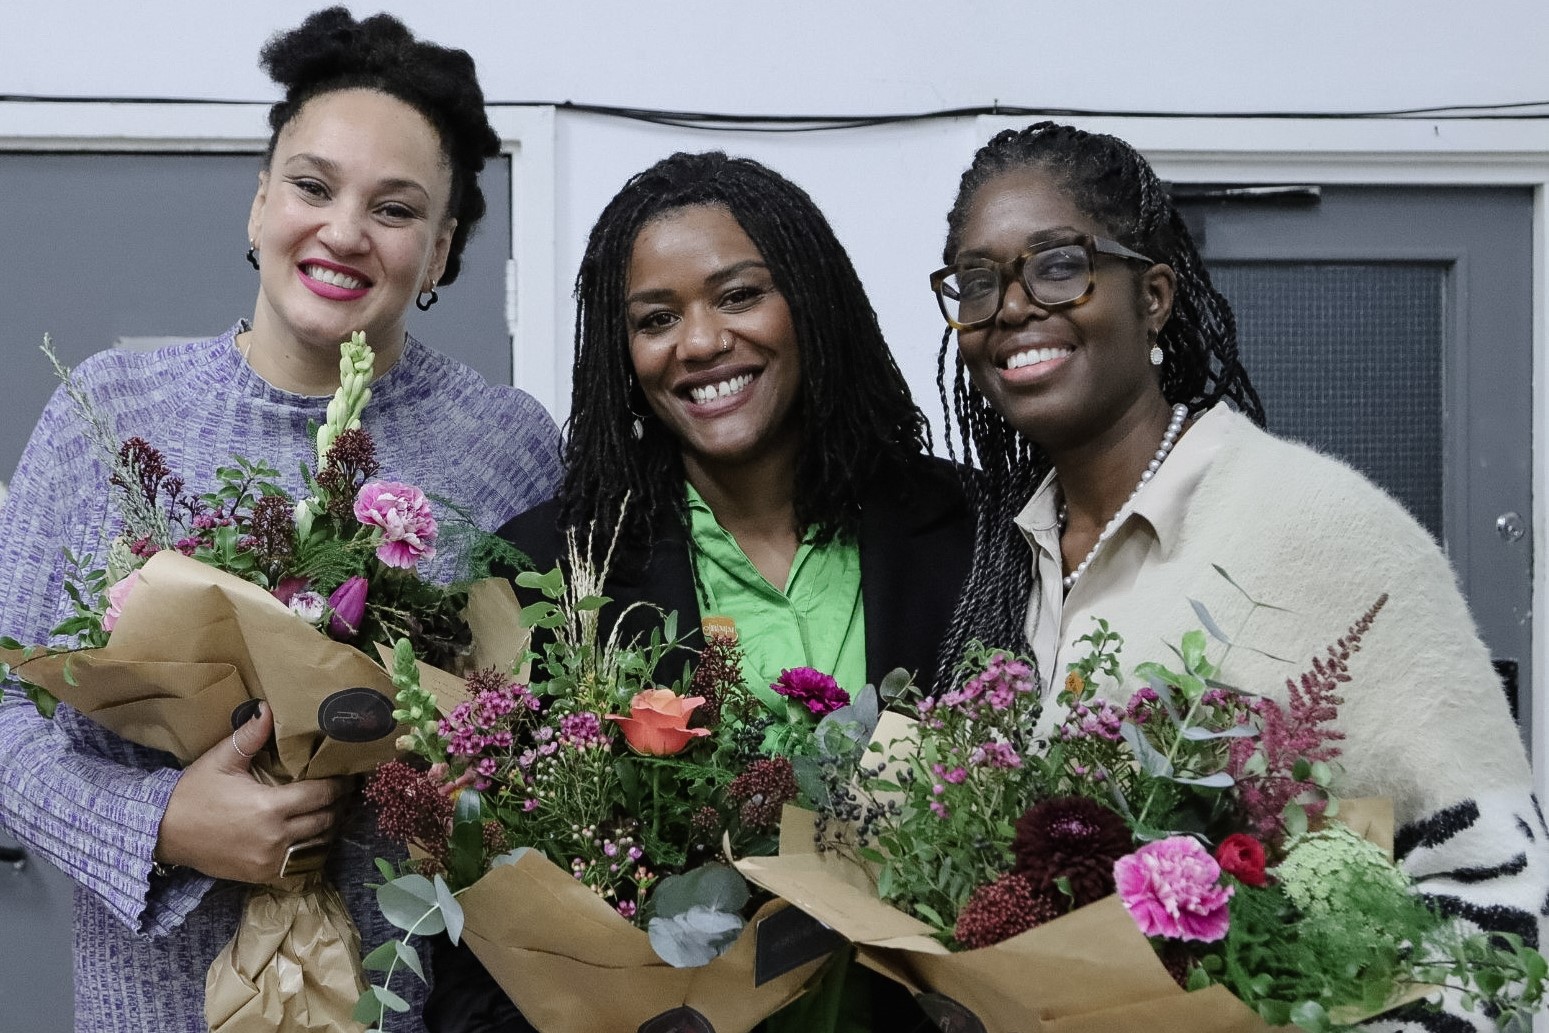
{"x":736,"y":413}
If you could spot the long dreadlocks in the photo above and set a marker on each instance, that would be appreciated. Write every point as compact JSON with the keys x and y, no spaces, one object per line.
{"x":1114,"y":186}
{"x":858,"y":421}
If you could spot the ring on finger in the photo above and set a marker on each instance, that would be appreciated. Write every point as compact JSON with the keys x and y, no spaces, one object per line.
{"x":240,"y":752}
{"x":301,"y":858}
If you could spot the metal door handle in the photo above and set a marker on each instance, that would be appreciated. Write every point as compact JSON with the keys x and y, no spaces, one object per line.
{"x":1510,"y":526}
{"x":14,"y":856}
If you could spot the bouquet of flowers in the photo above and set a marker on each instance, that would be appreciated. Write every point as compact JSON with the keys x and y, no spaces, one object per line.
{"x":573,"y":826}
{"x":208,"y":602}
{"x":1193,"y":814}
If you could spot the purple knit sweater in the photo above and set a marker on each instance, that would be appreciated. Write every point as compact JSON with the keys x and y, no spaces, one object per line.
{"x":92,"y":803}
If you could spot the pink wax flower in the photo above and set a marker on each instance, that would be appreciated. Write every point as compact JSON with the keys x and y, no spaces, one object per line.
{"x":116,"y":596}
{"x":818,"y":692}
{"x":348,"y":603}
{"x":1172,"y":888}
{"x":657,"y":725}
{"x":403,"y":514}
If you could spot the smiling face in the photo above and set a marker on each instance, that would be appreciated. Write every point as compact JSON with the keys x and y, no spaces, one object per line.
{"x":350,"y":221}
{"x":711,"y":340}
{"x":1071,"y":376}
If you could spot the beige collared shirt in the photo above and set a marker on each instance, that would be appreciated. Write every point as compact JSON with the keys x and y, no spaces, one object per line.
{"x":1149,"y":525}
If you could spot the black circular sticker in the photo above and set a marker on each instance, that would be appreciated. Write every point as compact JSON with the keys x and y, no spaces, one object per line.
{"x":243,"y":712}
{"x":356,"y":715}
{"x":948,"y":1015}
{"x":682,"y":1019}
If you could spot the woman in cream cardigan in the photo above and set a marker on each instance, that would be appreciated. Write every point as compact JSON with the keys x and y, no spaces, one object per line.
{"x":1098,"y":383}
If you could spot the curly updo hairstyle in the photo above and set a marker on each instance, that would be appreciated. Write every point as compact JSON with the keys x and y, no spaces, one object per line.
{"x":858,"y":422}
{"x":331,"y":51}
{"x":1112,"y":184}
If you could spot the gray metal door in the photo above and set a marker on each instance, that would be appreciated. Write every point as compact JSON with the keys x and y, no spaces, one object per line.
{"x":101,"y":248}
{"x":1393,"y":327}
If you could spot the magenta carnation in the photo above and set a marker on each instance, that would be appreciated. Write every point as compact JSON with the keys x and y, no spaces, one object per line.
{"x":403,"y":514}
{"x":1173,"y":888}
{"x":818,"y":692}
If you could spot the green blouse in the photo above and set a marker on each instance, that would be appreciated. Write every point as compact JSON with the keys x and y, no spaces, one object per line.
{"x":817,"y":621}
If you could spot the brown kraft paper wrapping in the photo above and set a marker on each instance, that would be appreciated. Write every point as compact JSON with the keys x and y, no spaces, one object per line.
{"x":191,"y":644}
{"x":573,"y":965}
{"x":1090,"y":971}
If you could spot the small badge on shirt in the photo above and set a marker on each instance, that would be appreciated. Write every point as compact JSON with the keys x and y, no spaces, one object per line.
{"x":719,"y":627}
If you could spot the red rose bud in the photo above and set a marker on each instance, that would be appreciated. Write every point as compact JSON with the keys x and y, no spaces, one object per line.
{"x":1242,"y":856}
{"x":348,"y":604}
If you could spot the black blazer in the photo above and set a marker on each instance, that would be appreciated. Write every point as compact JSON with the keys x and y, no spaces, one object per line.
{"x":916,"y":541}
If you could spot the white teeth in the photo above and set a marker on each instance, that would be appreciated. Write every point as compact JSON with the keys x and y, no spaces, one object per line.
{"x":711,"y":392}
{"x":334,"y":277}
{"x":1033,"y":356}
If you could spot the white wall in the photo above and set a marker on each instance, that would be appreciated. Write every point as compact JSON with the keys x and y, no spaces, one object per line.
{"x":843,"y":55}
{"x":886,"y":189}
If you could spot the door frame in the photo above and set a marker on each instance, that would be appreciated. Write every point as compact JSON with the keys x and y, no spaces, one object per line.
{"x":1383,"y":152}
{"x":526,"y":138}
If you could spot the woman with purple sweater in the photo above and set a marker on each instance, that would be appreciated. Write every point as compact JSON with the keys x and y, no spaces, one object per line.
{"x":366,"y":198}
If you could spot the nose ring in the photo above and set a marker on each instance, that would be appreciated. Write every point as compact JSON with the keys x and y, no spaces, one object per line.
{"x":726,"y":343}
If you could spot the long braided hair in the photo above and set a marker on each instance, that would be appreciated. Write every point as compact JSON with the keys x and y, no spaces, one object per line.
{"x":1112,"y":184}
{"x":858,"y":422}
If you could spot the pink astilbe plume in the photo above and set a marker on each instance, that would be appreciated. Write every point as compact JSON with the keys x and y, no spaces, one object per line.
{"x":1302,"y":730}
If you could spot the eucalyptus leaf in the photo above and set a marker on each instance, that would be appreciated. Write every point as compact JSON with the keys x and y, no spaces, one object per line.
{"x":451,"y":910}
{"x":1195,"y":733}
{"x":1152,"y":761}
{"x":895,"y":683}
{"x":711,"y":886}
{"x":1209,"y":622}
{"x":381,"y":959}
{"x":694,"y":937}
{"x":371,"y":1003}
{"x":410,"y":958}
{"x":1219,"y":780}
{"x":1295,"y":819}
{"x":409,"y":902}
{"x":509,"y":857}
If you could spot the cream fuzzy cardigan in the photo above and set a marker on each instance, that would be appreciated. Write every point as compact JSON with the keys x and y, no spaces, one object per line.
{"x":1425,"y":718}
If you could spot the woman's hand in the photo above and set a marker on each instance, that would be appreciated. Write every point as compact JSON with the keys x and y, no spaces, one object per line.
{"x":222,"y":822}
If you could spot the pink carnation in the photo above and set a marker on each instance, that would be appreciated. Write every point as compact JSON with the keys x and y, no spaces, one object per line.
{"x":403,"y":514}
{"x":818,"y":692}
{"x":1172,"y":888}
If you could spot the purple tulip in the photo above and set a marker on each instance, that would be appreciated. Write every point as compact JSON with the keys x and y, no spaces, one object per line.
{"x":348,"y":603}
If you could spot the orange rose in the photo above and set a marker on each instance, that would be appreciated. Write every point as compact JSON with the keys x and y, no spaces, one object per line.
{"x":657,"y":725}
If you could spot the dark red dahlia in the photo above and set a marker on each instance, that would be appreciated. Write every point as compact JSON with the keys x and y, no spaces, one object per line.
{"x":1002,"y":909}
{"x":1074,"y":838}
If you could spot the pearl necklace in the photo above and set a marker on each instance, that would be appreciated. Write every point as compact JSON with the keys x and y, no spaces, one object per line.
{"x":1169,"y":439}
